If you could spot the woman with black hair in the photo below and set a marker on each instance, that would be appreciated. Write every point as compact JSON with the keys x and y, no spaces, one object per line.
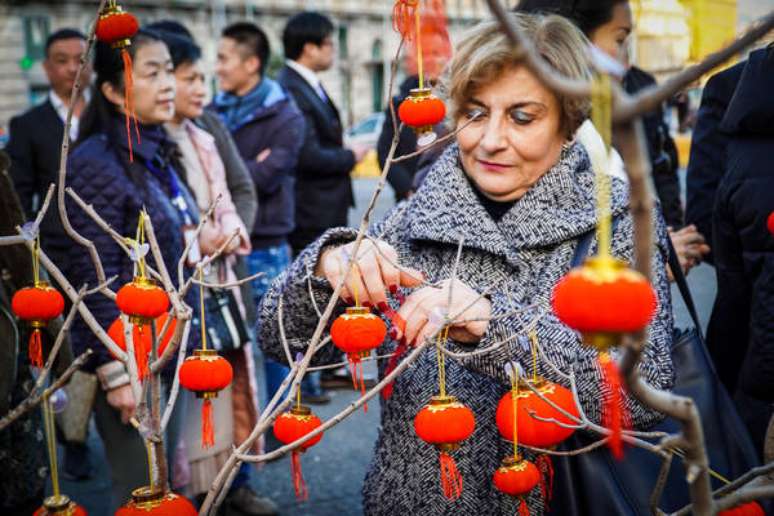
{"x":608,"y":25}
{"x":101,"y":172}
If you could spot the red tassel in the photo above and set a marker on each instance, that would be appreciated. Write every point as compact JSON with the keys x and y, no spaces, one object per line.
{"x":35,"y":349}
{"x":546,"y":468}
{"x":391,"y":365}
{"x":612,"y":410}
{"x":523,"y":507}
{"x":356,"y":370}
{"x":298,"y":478}
{"x":451,"y":480}
{"x":128,"y":104}
{"x":403,"y":13}
{"x":141,"y":356}
{"x":208,"y":430}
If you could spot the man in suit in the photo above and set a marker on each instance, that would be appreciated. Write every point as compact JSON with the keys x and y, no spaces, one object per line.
{"x":36,"y":136}
{"x":323,"y":187}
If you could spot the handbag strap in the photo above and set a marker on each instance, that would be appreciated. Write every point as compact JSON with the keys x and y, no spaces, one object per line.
{"x":682,"y":285}
{"x":582,"y":250}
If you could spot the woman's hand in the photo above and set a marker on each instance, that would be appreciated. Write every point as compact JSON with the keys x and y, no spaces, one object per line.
{"x":372,"y":275}
{"x":211,"y":237}
{"x":690,"y":247}
{"x":122,"y":399}
{"x":424,"y":311}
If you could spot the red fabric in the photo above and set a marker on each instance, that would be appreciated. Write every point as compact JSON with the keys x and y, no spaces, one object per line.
{"x":289,"y":427}
{"x":128,"y":104}
{"x":170,"y":504}
{"x":451,"y":479}
{"x":403,"y":13}
{"x":35,"y":349}
{"x":208,"y":429}
{"x":116,"y":26}
{"x":523,"y":508}
{"x":515,"y":482}
{"x":140,"y":300}
{"x":205,"y":374}
{"x":770,"y":223}
{"x":612,"y":410}
{"x":299,"y":485}
{"x":141,"y":339}
{"x":747,"y":509}
{"x":358,"y":333}
{"x":39,"y":303}
{"x":546,"y":468}
{"x":449,"y":425}
{"x":423,"y":111}
{"x":391,"y":365}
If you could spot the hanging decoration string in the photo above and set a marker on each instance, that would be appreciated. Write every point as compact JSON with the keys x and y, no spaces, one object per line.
{"x":533,"y":344}
{"x":201,"y":308}
{"x":36,"y":261}
{"x":420,"y":64}
{"x":515,"y":400}
{"x":48,"y":422}
{"x":601,"y":107}
{"x":443,"y":334}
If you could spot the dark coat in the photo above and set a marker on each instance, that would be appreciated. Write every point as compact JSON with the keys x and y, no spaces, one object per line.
{"x":323,"y":186}
{"x":100,"y":174}
{"x":661,"y":150}
{"x":708,"y":150}
{"x":35,"y":165}
{"x":741,"y":330}
{"x":278,"y":126}
{"x":403,"y":175}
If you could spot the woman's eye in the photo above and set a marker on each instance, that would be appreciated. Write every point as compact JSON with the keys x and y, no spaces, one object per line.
{"x":521,"y":117}
{"x":470,"y":114}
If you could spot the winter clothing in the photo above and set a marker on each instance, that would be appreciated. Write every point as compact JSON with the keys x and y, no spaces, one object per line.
{"x":661,"y":149}
{"x":706,"y":164}
{"x":323,"y":187}
{"x":741,"y":330}
{"x":34,"y":166}
{"x":517,"y":260}
{"x":276,"y":124}
{"x":100,"y":174}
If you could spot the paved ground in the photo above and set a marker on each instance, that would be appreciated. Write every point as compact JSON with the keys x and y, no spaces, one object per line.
{"x":334,"y":469}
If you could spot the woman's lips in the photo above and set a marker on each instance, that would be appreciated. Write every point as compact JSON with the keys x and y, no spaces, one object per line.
{"x":492,"y":166}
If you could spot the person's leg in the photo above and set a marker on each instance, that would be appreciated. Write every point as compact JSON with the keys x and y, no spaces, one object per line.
{"x":124,"y":450}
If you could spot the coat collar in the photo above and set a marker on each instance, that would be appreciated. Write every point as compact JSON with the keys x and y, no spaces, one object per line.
{"x":559,"y":207}
{"x":152,"y":138}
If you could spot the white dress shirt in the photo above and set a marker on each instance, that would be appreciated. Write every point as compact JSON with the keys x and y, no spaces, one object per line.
{"x":61,"y":109}
{"x":309,"y":76}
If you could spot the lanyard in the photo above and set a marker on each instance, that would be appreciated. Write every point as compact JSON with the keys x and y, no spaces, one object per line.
{"x":168,"y":177}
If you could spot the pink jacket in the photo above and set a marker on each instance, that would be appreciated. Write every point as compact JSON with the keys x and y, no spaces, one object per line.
{"x":225,"y":212}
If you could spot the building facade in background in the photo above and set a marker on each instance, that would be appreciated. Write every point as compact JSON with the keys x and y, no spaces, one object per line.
{"x":366,"y":43}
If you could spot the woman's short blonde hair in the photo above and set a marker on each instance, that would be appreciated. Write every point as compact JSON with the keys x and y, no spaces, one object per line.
{"x":484,"y":53}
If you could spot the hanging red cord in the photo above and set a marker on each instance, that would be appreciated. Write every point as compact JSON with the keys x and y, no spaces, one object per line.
{"x":403,"y":13}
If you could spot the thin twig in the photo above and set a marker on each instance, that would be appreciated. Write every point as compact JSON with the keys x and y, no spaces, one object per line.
{"x":437,"y":141}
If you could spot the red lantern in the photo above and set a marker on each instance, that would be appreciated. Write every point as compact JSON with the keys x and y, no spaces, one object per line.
{"x":206,"y":373}
{"x":142,"y":300}
{"x":147,"y":501}
{"x":770,"y":223}
{"x":421,"y":110}
{"x":291,"y":426}
{"x":37,"y":305}
{"x":747,"y":509}
{"x":142,"y":340}
{"x":60,"y":506}
{"x":517,"y":477}
{"x":603,"y":299}
{"x":444,"y":423}
{"x":116,"y":27}
{"x":356,"y":333}
{"x":533,"y":431}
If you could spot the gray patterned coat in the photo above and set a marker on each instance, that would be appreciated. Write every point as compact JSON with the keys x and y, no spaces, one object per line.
{"x":519,"y":258}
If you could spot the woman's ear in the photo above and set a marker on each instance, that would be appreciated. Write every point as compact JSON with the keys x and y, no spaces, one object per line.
{"x":114,"y":96}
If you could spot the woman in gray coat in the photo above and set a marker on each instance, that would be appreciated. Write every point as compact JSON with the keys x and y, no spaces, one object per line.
{"x":520,"y":195}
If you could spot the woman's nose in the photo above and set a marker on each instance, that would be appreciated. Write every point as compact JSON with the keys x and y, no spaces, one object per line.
{"x":493,"y":139}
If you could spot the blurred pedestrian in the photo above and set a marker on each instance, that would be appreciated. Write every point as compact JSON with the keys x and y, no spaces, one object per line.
{"x":34,"y":152}
{"x":237,"y":406}
{"x":608,"y":25}
{"x":35,"y":165}
{"x":740,"y":334}
{"x":118,"y":187}
{"x":436,"y":52}
{"x":323,"y":187}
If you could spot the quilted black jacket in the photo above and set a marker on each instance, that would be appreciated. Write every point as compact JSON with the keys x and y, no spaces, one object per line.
{"x":101,"y":175}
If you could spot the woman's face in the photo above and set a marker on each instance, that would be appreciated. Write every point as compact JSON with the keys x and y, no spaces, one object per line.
{"x":189,"y":91}
{"x":153,"y":89}
{"x":613,"y":37}
{"x":516,"y":138}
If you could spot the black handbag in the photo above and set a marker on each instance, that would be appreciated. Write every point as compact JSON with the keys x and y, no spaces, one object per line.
{"x":595,"y":483}
{"x":226,"y":328}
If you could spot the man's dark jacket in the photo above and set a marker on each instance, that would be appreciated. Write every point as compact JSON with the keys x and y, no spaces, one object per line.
{"x":661,"y":150}
{"x":277,"y":125}
{"x":740,"y":335}
{"x":323,"y":186}
{"x":34,"y":144}
{"x":706,"y":165}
